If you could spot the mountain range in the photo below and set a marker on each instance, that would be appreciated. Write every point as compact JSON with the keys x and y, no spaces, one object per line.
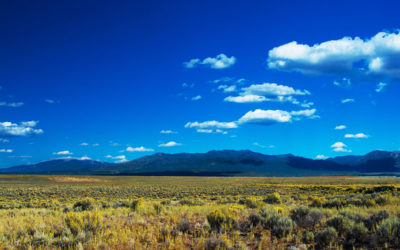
{"x":223,"y":163}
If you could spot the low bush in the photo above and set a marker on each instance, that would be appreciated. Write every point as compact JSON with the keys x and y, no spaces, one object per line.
{"x":273,"y":198}
{"x":326,"y":237}
{"x":222,"y":221}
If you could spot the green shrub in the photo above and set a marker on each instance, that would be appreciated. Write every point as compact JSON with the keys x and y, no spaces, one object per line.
{"x":326,"y":237}
{"x":251,"y":202}
{"x":184,"y":226}
{"x":269,"y":218}
{"x":357,"y":235}
{"x":83,"y":222}
{"x":283,"y":227}
{"x":304,"y":217}
{"x":136,"y":204}
{"x":222,"y":220}
{"x":388,"y":231}
{"x":158,"y":207}
{"x":340,"y":223}
{"x":190,"y":202}
{"x":372,"y":222}
{"x":84,"y":205}
{"x":273,"y":198}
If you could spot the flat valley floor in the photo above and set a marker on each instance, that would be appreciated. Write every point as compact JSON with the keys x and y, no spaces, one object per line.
{"x":101,"y":212}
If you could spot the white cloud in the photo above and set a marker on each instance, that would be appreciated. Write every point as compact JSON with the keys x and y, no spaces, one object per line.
{"x":381,"y":87}
{"x":272,"y":89}
{"x":211,"y":125}
{"x":196,"y":98}
{"x":4,"y":140}
{"x":9,"y":129}
{"x":96,"y":145}
{"x":168,"y":132}
{"x":139,"y":149}
{"x":12,"y":104}
{"x":245,"y":99}
{"x":221,"y":61}
{"x":49,"y":101}
{"x":65,"y":152}
{"x":349,"y":100}
{"x":267,"y":117}
{"x":170,"y":144}
{"x":344,"y":83}
{"x":114,"y":144}
{"x":340,"y":127}
{"x":119,"y":158}
{"x":85,"y":157}
{"x":227,"y":89}
{"x":211,"y":131}
{"x":309,"y":113}
{"x":6,"y":150}
{"x":370,"y":58}
{"x":340,"y":147}
{"x":84,"y":144}
{"x":263,"y":146}
{"x":321,"y":157}
{"x":357,"y":136}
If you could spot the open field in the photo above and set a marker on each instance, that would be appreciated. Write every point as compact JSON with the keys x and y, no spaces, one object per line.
{"x":99,"y":212}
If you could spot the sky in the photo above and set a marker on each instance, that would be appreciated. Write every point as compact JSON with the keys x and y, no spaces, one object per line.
{"x":116,"y":80}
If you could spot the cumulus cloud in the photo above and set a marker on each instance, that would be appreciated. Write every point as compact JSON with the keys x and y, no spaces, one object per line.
{"x":356,"y":136}
{"x":348,"y":100}
{"x":372,"y":58}
{"x":50,"y":101}
{"x":84,"y":144}
{"x":65,"y":152}
{"x":196,"y":98}
{"x":266,"y":117}
{"x":321,"y":157}
{"x":340,"y":127}
{"x":26,"y":128}
{"x":211,"y":125}
{"x":12,"y":104}
{"x":139,"y":149}
{"x":221,"y":61}
{"x":170,"y":144}
{"x":168,"y":132}
{"x":6,"y":150}
{"x":270,"y":92}
{"x":381,"y":87}
{"x":340,"y":147}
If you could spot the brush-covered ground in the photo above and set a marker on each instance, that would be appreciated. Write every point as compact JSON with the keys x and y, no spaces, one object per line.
{"x":86,"y":212}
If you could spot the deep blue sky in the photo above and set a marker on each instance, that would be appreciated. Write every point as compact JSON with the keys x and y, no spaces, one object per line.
{"x":111,"y":74}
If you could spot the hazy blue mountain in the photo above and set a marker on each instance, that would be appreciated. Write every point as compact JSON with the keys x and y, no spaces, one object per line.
{"x":224,"y":163}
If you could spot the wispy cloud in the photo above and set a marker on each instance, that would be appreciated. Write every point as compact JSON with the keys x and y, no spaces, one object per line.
{"x":381,"y":87}
{"x":139,"y":149}
{"x":12,"y":104}
{"x":221,"y":61}
{"x":168,"y":132}
{"x":118,"y":158}
{"x":348,"y":100}
{"x":356,"y":136}
{"x":6,"y":150}
{"x":170,"y":144}
{"x":196,"y":98}
{"x":65,"y":152}
{"x":340,"y":127}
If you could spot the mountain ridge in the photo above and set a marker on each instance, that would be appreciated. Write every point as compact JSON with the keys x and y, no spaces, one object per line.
{"x":223,"y":163}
